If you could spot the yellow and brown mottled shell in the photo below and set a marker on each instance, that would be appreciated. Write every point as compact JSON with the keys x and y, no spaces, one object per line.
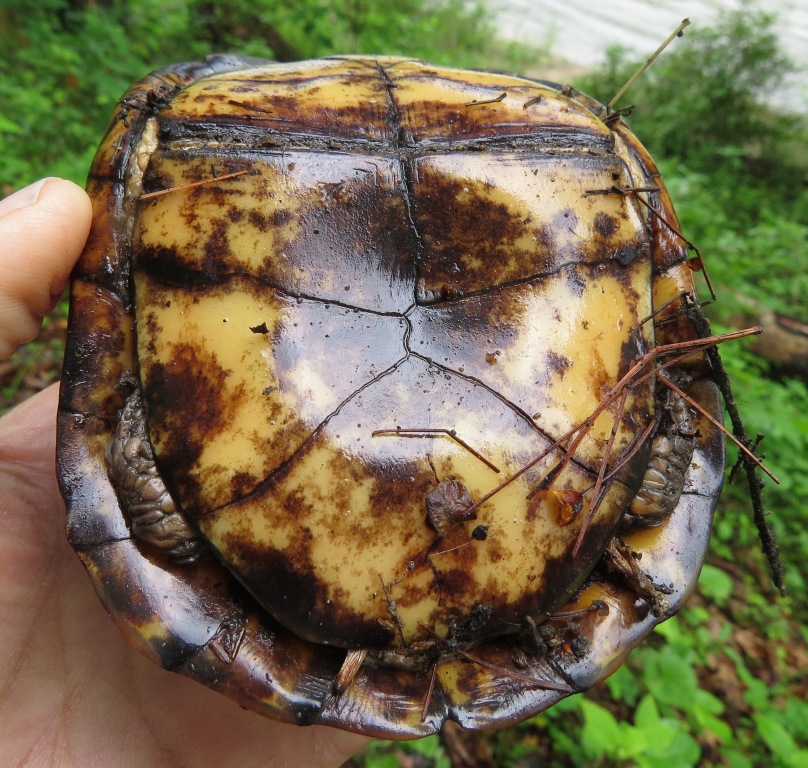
{"x":370,"y":303}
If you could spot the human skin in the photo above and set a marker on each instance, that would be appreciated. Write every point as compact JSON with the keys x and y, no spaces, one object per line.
{"x":72,"y":692}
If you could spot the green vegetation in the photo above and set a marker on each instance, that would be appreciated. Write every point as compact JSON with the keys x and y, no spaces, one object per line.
{"x":724,"y":683}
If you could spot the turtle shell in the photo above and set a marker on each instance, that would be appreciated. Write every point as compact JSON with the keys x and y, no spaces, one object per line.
{"x":381,"y":319}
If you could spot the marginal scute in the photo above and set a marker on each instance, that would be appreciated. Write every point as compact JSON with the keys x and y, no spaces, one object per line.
{"x":381,"y":313}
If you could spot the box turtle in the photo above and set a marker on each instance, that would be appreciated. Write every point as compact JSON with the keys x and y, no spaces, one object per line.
{"x":383,"y":400}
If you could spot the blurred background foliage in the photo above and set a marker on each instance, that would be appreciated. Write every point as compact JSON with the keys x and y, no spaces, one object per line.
{"x":722,"y":684}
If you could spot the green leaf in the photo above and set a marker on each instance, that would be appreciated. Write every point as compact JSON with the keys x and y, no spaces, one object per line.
{"x":795,"y":718}
{"x":683,"y":750}
{"x":671,"y":630}
{"x":714,"y":725}
{"x":655,"y":739}
{"x":715,"y":584}
{"x":670,"y":679}
{"x":623,"y":686}
{"x":570,"y":704}
{"x":777,"y":738}
{"x":666,"y":745}
{"x":705,"y":701}
{"x":799,"y":759}
{"x":601,"y":734}
{"x":428,"y":746}
{"x":758,"y":693}
{"x":647,"y":713}
{"x":8,"y":126}
{"x":736,"y":759}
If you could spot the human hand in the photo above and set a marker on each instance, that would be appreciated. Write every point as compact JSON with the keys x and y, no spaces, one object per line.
{"x":72,"y":692}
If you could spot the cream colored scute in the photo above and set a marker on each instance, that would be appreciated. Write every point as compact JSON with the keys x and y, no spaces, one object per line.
{"x":350,"y":513}
{"x":326,"y":225}
{"x":265,"y":354}
{"x":510,"y":217}
{"x":186,"y":219}
{"x":579,"y":320}
{"x":593,"y":341}
{"x":327,"y":97}
{"x":486,"y":101}
{"x":255,"y":436}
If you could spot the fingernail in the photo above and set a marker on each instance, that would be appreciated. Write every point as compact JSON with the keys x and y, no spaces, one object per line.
{"x":22,"y":197}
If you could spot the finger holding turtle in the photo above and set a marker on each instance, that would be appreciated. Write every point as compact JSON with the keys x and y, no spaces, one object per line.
{"x":43,"y":228}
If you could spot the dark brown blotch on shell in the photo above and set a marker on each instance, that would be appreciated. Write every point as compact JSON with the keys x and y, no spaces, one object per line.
{"x":559,"y":364}
{"x":187,"y":400}
{"x":468,"y":241}
{"x":169,"y":267}
{"x":605,"y":225}
{"x":287,"y":583}
{"x":358,"y":230}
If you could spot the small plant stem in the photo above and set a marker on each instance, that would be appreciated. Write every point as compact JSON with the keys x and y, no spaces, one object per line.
{"x":676,"y":33}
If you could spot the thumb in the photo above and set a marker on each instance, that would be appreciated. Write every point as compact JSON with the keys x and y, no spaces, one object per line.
{"x":42,"y":231}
